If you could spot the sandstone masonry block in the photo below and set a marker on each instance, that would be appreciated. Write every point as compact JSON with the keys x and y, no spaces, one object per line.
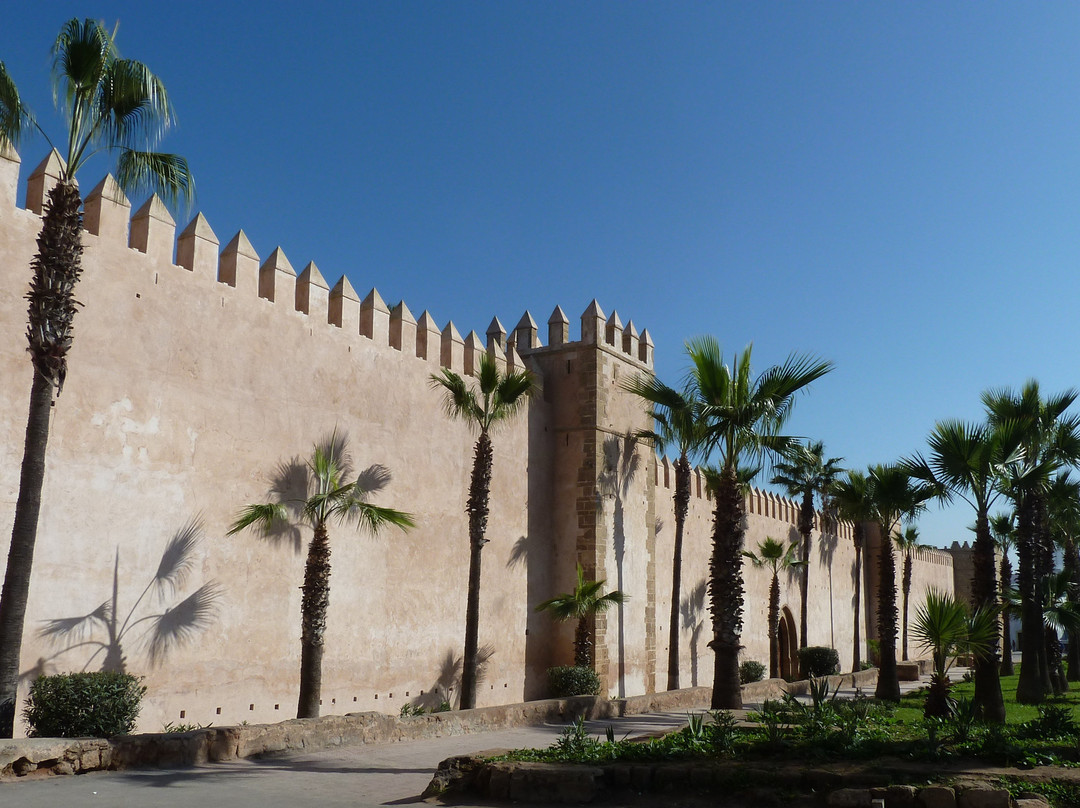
{"x":849,"y":798}
{"x":936,"y":797}
{"x":984,"y":798}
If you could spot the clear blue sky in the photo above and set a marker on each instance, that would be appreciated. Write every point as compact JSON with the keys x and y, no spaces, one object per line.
{"x":891,"y":186}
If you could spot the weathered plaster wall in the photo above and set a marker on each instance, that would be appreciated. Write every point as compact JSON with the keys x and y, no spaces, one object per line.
{"x":198,"y":370}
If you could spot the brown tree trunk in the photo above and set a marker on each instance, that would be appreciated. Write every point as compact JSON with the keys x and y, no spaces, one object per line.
{"x":313,"y":607}
{"x":907,"y":593}
{"x":806,"y":528}
{"x":774,"y":627}
{"x":1006,"y":621}
{"x":726,"y":592}
{"x":477,"y":508}
{"x":682,"y":505}
{"x":583,"y":644}
{"x":988,"y":699}
{"x":856,"y":655}
{"x":888,"y":685}
{"x":56,"y":270}
{"x":1030,"y":688}
{"x":1072,"y":564}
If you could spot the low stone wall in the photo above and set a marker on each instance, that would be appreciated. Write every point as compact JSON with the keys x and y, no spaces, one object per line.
{"x":24,"y":756}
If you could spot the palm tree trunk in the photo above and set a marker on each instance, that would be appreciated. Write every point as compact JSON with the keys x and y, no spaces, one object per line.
{"x":856,"y":654}
{"x":774,"y":627}
{"x":1006,"y":621}
{"x":16,"y":590}
{"x":1030,"y":688}
{"x":907,"y":593}
{"x":682,"y":505}
{"x":56,"y":270}
{"x":1072,"y":564}
{"x":477,"y":508}
{"x":726,"y":592}
{"x":1044,"y":568}
{"x":888,"y":685}
{"x":988,"y":699}
{"x":583,"y":655}
{"x":313,"y":607}
{"x":806,"y":527}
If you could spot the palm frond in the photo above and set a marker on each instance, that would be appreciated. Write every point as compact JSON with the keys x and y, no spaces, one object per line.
{"x":167,"y":175}
{"x":265,"y":517}
{"x":179,"y":625}
{"x":177,"y":559}
{"x":76,"y":628}
{"x":374,"y":518}
{"x":14,"y":115}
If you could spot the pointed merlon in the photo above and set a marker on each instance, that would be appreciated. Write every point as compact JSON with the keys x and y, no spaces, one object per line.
{"x":514,"y":362}
{"x":474,"y":349}
{"x":428,"y":338}
{"x":402,"y":328}
{"x":239,"y":265}
{"x":613,"y":329}
{"x":313,"y":294}
{"x":496,"y":334}
{"x":593,"y":321}
{"x":153,"y":230}
{"x":375,"y":318}
{"x":645,"y":348}
{"x":42,"y":180}
{"x":106,"y":210}
{"x":558,"y":328}
{"x":630,"y":340}
{"x":452,"y":353}
{"x":197,"y":248}
{"x":526,"y":336}
{"x":345,"y":307}
{"x":9,"y":173}
{"x":498,"y":353}
{"x":277,"y":278}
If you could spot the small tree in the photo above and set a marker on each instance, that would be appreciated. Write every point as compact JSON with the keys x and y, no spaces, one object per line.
{"x":496,"y":398}
{"x":328,"y":496}
{"x":907,"y":543}
{"x":586,"y":600}
{"x":772,"y":554}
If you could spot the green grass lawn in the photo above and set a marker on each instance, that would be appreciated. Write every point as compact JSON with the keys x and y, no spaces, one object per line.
{"x":910,"y":710}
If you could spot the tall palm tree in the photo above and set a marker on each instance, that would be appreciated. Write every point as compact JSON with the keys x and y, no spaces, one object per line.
{"x":493,"y":400}
{"x":1060,"y":610}
{"x":677,"y":424}
{"x":805,"y":473}
{"x":1050,"y":437}
{"x":1063,"y":511}
{"x":894,"y":496}
{"x":907,"y":543}
{"x":851,"y":497}
{"x":743,"y":417}
{"x":109,"y":104}
{"x":778,"y":558}
{"x":966,"y":461}
{"x":325,"y":494}
{"x":1001,"y":528}
{"x":587,"y":599}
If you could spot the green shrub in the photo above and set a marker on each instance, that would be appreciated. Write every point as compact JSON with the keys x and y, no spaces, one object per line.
{"x":751,"y":671}
{"x":573,"y":680}
{"x":817,"y":660}
{"x":83,"y":705}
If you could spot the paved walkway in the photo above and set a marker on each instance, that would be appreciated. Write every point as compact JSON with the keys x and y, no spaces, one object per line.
{"x":357,"y":776}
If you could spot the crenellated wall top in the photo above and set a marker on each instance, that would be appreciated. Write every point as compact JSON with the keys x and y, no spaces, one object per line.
{"x":151,"y":231}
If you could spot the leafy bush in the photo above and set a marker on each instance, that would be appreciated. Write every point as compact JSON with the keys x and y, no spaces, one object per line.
{"x":817,"y":660}
{"x":751,"y":671}
{"x":83,"y":705}
{"x":573,"y":680}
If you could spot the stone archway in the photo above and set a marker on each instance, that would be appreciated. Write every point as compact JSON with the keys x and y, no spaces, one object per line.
{"x":789,"y":645}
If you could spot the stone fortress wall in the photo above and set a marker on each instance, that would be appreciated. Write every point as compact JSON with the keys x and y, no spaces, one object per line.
{"x":198,"y":371}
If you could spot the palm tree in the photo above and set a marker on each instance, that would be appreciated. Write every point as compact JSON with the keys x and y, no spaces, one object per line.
{"x":907,"y":543}
{"x":586,"y":600}
{"x":1050,"y":439}
{"x":325,"y":494}
{"x":805,"y":473}
{"x":676,"y":423}
{"x":894,"y":496}
{"x":1001,"y":528}
{"x":966,"y":461}
{"x":1060,"y":610}
{"x":778,"y":558}
{"x":851,"y":497}
{"x":944,"y":627}
{"x":110,"y":104}
{"x":743,"y":416}
{"x":1063,"y":511}
{"x":495,"y":399}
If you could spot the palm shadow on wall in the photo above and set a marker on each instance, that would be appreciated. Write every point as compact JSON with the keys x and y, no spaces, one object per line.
{"x":621,"y":464}
{"x":151,"y":626}
{"x":692,"y":609}
{"x":447,"y":687}
{"x":827,"y":543}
